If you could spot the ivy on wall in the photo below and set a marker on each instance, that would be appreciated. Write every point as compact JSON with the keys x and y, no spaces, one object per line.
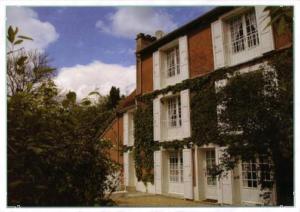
{"x":144,"y":143}
{"x":204,"y":118}
{"x":204,"y":114}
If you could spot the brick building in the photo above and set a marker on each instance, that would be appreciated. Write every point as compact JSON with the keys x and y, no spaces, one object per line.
{"x":225,"y":37}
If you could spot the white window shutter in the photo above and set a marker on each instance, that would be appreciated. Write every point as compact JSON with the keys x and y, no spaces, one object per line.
{"x":183,"y":57}
{"x":156,"y":119}
{"x":185,"y":113}
{"x":126,"y":168}
{"x":158,"y":171}
{"x":125,"y":129}
{"x":225,"y":184}
{"x":156,"y":70}
{"x":265,"y":32}
{"x":218,"y":44}
{"x":163,"y":67}
{"x":188,"y":173}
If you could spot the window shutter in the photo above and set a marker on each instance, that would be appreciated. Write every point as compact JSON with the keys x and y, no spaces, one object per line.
{"x":225,"y":183}
{"x":185,"y":113}
{"x":164,"y":66}
{"x":266,"y":36}
{"x":125,"y":129}
{"x":218,"y":44}
{"x":183,"y":57}
{"x":156,"y":71}
{"x":126,"y":168}
{"x":156,"y":119}
{"x":188,"y":173}
{"x":158,"y":171}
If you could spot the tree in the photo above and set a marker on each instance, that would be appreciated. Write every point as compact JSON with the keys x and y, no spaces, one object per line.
{"x":54,"y":156}
{"x":25,"y":70}
{"x":260,"y":106}
{"x":114,"y":97}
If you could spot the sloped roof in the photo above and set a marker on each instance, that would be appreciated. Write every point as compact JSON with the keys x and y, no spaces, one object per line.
{"x":128,"y":102}
{"x":125,"y":104}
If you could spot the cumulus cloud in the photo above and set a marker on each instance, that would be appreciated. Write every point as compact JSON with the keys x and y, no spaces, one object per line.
{"x":97,"y":75}
{"x":129,"y":21}
{"x":28,"y":22}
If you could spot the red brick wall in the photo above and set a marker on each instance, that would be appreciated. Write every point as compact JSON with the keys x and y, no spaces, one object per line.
{"x":282,"y":40}
{"x":201,"y":59}
{"x":115,"y":134}
{"x":147,"y":74}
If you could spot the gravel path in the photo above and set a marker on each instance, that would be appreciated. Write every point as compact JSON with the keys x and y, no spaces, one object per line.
{"x":141,"y":199}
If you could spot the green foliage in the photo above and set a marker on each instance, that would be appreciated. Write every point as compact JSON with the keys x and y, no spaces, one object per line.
{"x":282,"y":147}
{"x":11,"y":36}
{"x":25,"y":70}
{"x":281,"y":17}
{"x":254,"y":104}
{"x":263,"y":112}
{"x":127,"y":148}
{"x":143,"y":142}
{"x":175,"y":144}
{"x":54,"y":156}
{"x":204,"y":114}
{"x":114,"y":97}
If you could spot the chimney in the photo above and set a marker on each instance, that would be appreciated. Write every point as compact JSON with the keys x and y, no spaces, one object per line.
{"x":143,"y":40}
{"x":159,"y":34}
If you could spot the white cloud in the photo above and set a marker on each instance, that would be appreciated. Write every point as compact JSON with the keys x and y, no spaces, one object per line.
{"x":28,"y":22}
{"x":97,"y":75}
{"x":128,"y":22}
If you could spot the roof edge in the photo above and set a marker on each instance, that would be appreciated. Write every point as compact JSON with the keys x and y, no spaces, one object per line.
{"x":205,"y":18}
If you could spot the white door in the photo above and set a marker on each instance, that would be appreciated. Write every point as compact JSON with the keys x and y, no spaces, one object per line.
{"x":210,"y":181}
{"x":176,"y":172}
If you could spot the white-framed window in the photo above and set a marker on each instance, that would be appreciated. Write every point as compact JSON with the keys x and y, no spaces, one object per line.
{"x":174,"y":112}
{"x":266,"y":169}
{"x":210,"y":158}
{"x":176,"y":167}
{"x":251,"y":173}
{"x":243,"y":32}
{"x":173,"y":61}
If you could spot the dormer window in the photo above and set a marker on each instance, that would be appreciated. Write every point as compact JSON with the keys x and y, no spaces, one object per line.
{"x":243,"y":32}
{"x":173,"y":62}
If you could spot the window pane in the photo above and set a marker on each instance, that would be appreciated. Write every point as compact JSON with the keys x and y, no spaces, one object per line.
{"x":251,"y":27}
{"x":173,"y":64}
{"x":179,"y":110}
{"x":210,"y":162}
{"x":237,"y":34}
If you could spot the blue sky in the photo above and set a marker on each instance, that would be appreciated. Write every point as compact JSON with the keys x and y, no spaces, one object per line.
{"x":80,"y":42}
{"x":93,"y":47}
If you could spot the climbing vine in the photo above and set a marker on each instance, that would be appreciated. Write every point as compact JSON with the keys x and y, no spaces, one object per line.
{"x":260,"y":106}
{"x":204,"y":114}
{"x":144,"y":144}
{"x":204,"y":118}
